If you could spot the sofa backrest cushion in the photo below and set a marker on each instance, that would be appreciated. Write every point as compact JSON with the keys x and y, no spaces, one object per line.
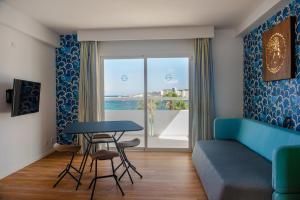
{"x":262,"y":137}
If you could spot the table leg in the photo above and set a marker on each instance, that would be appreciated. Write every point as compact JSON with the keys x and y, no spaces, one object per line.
{"x":85,"y":153}
{"x":116,"y":143}
{"x":83,"y":162}
{"x":118,"y":149}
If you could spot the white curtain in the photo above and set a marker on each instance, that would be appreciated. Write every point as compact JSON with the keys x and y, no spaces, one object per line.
{"x":91,"y":86}
{"x":202,"y":92}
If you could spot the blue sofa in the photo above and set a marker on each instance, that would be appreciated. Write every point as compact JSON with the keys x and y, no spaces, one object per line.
{"x":249,"y":160}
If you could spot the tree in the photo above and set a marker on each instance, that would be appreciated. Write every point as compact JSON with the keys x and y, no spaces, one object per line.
{"x":170,"y":94}
{"x":151,"y":106}
{"x":181,"y":105}
{"x":175,"y":104}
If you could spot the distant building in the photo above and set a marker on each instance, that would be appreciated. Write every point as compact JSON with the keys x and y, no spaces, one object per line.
{"x":154,"y":94}
{"x":183,"y":93}
{"x":166,"y":91}
{"x":137,"y":95}
{"x":180,"y":93}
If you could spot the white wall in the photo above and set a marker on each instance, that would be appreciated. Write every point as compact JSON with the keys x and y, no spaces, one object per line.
{"x":259,"y":15}
{"x":156,"y":33}
{"x":228,"y":73}
{"x":14,"y":19}
{"x":24,"y":139}
{"x":149,"y":48}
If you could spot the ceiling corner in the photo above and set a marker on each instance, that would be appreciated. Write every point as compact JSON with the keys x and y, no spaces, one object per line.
{"x":259,"y":15}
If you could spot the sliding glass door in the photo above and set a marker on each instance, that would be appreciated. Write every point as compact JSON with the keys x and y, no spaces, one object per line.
{"x":124,"y":93}
{"x":163,"y":84}
{"x":168,"y":102}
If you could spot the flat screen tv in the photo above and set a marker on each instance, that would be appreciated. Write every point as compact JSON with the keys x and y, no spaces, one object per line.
{"x":25,"y":97}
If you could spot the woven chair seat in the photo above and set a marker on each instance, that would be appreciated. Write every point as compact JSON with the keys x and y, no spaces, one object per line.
{"x":66,"y":148}
{"x":104,"y":155}
{"x":131,"y":143}
{"x":102,"y":136}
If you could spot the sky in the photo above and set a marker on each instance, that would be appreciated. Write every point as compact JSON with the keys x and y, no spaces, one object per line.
{"x":126,"y":76}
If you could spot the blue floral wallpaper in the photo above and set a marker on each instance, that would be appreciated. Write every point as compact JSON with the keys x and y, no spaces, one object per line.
{"x":271,"y":101}
{"x":67,"y":84}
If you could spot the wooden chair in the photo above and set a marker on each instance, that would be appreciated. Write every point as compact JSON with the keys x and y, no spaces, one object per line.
{"x":101,"y":138}
{"x":104,"y":155}
{"x":125,"y":161}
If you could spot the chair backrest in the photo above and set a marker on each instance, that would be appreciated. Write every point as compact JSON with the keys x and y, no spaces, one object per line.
{"x":260,"y":137}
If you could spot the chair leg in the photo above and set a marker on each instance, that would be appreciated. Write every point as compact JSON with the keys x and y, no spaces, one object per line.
{"x":131,"y":165}
{"x":75,"y":169}
{"x":126,"y":170}
{"x":115,"y":177}
{"x":107,"y":146}
{"x":122,"y":158}
{"x":126,"y":166}
{"x":61,"y":173}
{"x":92,"y":182}
{"x":65,"y":171}
{"x":91,"y":167}
{"x":94,"y":186}
{"x":134,"y":169}
{"x":122,"y":161}
{"x":119,"y":165}
{"x":73,"y":177}
{"x":58,"y":181}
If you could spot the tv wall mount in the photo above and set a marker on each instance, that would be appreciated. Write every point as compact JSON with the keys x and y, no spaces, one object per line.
{"x":9,"y":96}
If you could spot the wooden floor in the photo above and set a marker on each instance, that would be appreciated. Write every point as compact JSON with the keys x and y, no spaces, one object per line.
{"x":167,"y":176}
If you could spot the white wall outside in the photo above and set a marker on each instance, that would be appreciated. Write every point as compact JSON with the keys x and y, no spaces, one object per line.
{"x":166,"y":122}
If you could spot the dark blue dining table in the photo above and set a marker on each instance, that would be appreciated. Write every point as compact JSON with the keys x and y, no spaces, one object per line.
{"x":87,"y":129}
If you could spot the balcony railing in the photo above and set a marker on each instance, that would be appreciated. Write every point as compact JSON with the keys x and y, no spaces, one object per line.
{"x":168,"y":120}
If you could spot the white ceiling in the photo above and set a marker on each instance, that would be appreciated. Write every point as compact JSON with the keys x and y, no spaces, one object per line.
{"x":65,"y":16}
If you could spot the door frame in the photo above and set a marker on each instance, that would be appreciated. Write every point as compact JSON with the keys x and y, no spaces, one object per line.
{"x":145,"y":57}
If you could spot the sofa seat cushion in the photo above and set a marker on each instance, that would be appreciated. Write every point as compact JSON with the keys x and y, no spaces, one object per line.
{"x":229,"y":170}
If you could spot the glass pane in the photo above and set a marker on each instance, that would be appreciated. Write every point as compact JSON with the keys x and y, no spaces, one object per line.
{"x":124,"y":93}
{"x":168,"y":102}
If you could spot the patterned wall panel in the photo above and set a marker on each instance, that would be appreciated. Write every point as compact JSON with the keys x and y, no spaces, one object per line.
{"x":67,"y":83}
{"x":270,"y":101}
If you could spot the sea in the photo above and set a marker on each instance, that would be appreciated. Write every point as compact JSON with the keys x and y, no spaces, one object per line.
{"x":122,"y":104}
{"x":111,"y":104}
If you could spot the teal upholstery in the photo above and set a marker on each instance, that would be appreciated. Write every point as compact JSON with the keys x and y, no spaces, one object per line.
{"x":286,"y":169}
{"x":230,"y":171}
{"x":278,"y":196}
{"x":279,"y":145}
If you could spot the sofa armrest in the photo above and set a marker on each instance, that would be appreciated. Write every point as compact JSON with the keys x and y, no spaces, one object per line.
{"x":286,"y":169}
{"x":226,"y":128}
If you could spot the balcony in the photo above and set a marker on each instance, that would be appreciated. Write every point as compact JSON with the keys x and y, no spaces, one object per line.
{"x":166,"y":128}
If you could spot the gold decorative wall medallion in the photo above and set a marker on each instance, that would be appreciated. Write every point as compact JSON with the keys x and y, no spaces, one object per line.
{"x":275,"y":52}
{"x":278,"y":51}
